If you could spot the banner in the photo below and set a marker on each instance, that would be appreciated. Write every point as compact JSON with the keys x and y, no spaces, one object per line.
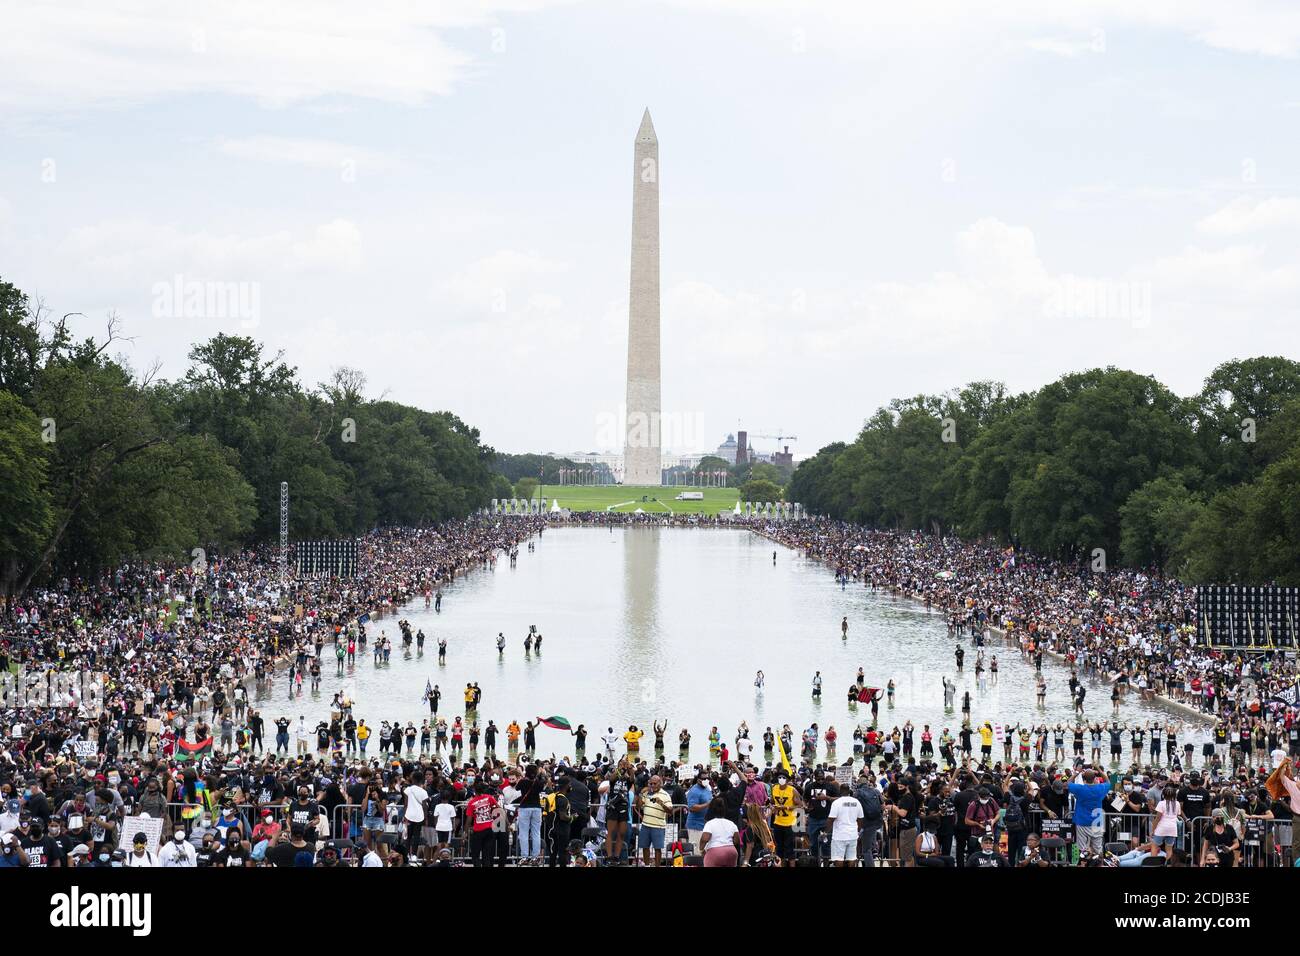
{"x":1289,"y":696}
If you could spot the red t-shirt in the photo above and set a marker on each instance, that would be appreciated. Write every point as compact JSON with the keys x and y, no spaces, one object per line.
{"x":480,"y":809}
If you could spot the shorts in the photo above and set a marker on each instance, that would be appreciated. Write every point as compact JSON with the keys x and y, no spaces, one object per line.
{"x":844,"y":849}
{"x":1164,"y":840}
{"x":650,"y":838}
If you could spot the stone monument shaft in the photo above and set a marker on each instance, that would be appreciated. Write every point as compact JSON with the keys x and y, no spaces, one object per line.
{"x":641,"y":455}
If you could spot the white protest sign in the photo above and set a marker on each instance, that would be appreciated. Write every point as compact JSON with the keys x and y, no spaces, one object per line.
{"x":151,"y":827}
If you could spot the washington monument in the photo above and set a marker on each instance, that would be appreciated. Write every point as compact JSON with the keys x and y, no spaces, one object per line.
{"x":641,"y":455}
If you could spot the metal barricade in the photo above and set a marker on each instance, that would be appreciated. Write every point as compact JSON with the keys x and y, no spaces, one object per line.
{"x":1127,"y":827}
{"x":1261,"y":843}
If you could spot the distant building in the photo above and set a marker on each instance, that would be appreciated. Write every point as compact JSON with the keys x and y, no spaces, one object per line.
{"x":727,"y":450}
{"x":783,"y":459}
{"x":742,"y":448}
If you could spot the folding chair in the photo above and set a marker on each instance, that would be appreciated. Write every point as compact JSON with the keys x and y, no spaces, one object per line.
{"x":1054,"y":847}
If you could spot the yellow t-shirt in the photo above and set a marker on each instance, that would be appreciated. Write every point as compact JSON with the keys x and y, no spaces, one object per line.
{"x":783,"y":801}
{"x":633,"y":738}
{"x":363,"y":732}
{"x":986,"y":736}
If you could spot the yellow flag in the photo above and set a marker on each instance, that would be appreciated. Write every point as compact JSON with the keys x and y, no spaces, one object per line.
{"x":785,"y":761}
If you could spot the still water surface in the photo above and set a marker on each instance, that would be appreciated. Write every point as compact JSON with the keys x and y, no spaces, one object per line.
{"x":671,"y":624}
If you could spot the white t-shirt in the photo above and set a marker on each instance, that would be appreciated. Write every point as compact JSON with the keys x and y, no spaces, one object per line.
{"x":720,"y":831}
{"x":415,"y":797}
{"x":371,"y":859}
{"x":444,"y":816}
{"x":846,"y":812}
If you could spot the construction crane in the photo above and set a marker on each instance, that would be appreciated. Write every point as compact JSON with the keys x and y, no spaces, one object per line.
{"x":779,"y":438}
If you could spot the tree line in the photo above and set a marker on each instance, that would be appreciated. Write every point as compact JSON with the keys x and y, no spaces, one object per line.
{"x":101,"y":463}
{"x":1100,"y":465}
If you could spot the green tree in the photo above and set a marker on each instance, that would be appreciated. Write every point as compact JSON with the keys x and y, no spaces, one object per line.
{"x":27,"y":516}
{"x":526,"y":488}
{"x":760,"y":489}
{"x":1155,"y":521}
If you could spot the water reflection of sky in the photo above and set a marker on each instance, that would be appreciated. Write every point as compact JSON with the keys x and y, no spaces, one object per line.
{"x":671,"y":625}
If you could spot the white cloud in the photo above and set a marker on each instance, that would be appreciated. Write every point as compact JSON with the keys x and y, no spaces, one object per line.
{"x":79,"y":54}
{"x":1263,"y":27}
{"x":86,"y":53}
{"x":156,"y":252}
{"x":316,"y":153}
{"x":1246,"y":214}
{"x":503,"y":283}
{"x":1070,"y":48}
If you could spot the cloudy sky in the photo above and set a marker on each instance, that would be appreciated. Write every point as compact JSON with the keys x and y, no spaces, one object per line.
{"x":859,"y":200}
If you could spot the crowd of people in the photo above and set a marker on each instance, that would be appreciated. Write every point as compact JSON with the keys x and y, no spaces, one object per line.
{"x":175,"y":766}
{"x":1123,"y":626}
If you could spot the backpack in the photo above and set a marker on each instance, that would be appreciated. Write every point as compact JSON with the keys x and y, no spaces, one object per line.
{"x":1015,"y":816}
{"x":872,"y":811}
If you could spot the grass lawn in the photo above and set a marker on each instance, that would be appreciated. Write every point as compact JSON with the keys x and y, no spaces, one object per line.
{"x":628,"y":498}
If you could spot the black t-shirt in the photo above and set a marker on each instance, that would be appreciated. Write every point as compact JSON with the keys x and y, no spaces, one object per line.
{"x":303,"y":813}
{"x":945,"y":810}
{"x":531,"y":792}
{"x":269,"y":793}
{"x":982,"y":860}
{"x":907,"y":804}
{"x":960,"y":801}
{"x":579,"y":796}
{"x":284,"y":854}
{"x":1222,"y":841}
{"x":818,"y":798}
{"x":42,"y":852}
{"x":1195,"y":801}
